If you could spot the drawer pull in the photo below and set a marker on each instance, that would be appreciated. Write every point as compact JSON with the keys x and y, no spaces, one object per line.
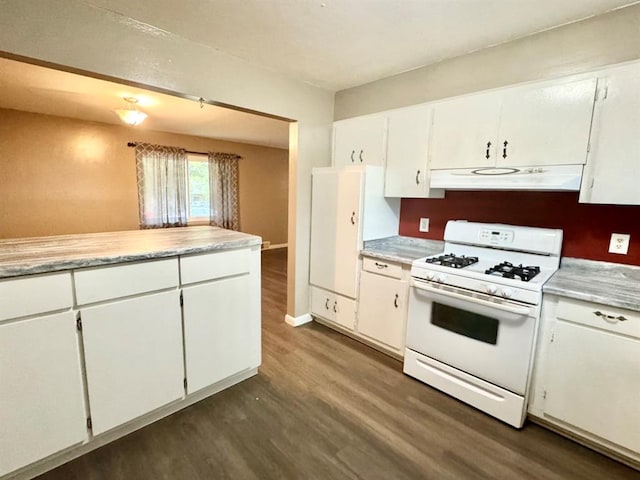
{"x":619,"y":318}
{"x":360,"y":156}
{"x":335,"y":307}
{"x":352,"y":159}
{"x":418,"y":177}
{"x":326,"y":304}
{"x":381,"y":265}
{"x":395,"y":301}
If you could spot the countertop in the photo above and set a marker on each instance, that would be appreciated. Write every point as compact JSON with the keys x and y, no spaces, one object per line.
{"x":605,"y":283}
{"x":401,"y":249}
{"x":25,"y":256}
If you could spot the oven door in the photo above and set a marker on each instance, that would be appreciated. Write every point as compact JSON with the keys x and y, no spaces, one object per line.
{"x":487,"y":337}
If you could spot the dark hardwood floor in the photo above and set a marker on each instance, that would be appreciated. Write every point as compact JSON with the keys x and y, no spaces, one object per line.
{"x":327,"y":407}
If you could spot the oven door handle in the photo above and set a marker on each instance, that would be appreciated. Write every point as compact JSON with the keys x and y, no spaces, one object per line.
{"x":466,"y":298}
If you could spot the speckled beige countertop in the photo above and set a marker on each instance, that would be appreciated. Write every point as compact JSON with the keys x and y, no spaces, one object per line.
{"x":401,"y":249}
{"x":606,"y":283}
{"x":25,"y":256}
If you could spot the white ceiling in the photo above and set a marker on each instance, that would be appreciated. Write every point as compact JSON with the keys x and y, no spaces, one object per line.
{"x":337,"y":44}
{"x":42,"y":90}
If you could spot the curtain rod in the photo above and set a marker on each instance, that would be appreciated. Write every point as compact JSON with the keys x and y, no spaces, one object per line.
{"x":133,"y":144}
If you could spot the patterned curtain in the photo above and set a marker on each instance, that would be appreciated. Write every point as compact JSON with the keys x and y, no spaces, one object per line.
{"x":223,"y":185}
{"x":162,"y":186}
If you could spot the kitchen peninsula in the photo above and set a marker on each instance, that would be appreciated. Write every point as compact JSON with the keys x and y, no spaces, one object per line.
{"x":103,"y":333}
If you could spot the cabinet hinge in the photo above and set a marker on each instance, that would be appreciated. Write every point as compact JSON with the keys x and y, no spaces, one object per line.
{"x":184,"y":382}
{"x":544,"y":394}
{"x":553,"y":336}
{"x":89,"y":424}
{"x":181,"y":300}
{"x":78,"y":322}
{"x":602,"y":92}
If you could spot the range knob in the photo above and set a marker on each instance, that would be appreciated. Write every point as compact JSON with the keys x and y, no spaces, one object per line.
{"x":506,"y":292}
{"x":441,"y":278}
{"x":430,"y":275}
{"x":491,"y":289}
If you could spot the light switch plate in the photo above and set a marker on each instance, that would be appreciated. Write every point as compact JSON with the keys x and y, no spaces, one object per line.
{"x":424,"y":225}
{"x":619,"y":243}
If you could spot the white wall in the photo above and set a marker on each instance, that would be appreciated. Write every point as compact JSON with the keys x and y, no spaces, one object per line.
{"x":578,"y":47}
{"x":73,"y":34}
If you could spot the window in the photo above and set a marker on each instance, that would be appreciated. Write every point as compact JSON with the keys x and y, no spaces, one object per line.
{"x":198,"y":189}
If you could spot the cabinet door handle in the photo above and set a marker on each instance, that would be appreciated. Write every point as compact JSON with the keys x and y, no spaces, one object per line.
{"x":326,"y":304}
{"x":335,"y":307}
{"x":381,"y":265}
{"x":352,"y":153}
{"x":604,"y":316}
{"x":353,"y":218}
{"x":418,"y":177}
{"x":488,"y":154}
{"x":361,"y":151}
{"x":395,"y":301}
{"x":504,"y":150}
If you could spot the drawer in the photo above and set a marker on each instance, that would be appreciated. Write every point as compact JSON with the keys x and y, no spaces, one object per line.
{"x":375,"y":265}
{"x":106,"y":283}
{"x":603,"y":317}
{"x":31,"y":295}
{"x":209,"y":266}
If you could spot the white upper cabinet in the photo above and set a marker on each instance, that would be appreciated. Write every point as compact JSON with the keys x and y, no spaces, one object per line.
{"x":359,"y":141}
{"x":407,"y":172}
{"x":465,"y":132}
{"x":613,"y":169}
{"x":518,"y":127}
{"x":546,"y":125}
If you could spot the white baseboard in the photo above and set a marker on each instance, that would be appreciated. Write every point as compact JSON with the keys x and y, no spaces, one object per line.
{"x":297,"y":321}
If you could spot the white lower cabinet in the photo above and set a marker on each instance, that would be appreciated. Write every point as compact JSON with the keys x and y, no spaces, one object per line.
{"x":42,"y":407}
{"x":333,"y":307}
{"x":587,"y":378}
{"x":382,"y":310}
{"x":217,"y":330}
{"x":133,"y":355}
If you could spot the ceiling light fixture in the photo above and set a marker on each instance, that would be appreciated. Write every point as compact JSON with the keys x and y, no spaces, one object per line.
{"x":131,"y":115}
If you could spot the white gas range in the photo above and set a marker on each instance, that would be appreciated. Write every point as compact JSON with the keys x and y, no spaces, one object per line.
{"x":474,"y":312}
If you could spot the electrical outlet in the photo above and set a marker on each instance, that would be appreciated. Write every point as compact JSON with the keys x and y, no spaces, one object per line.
{"x":619,"y":243}
{"x":424,"y":225}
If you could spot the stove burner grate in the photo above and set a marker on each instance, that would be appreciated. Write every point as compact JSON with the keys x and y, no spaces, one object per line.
{"x":508,"y":270}
{"x":452,"y":260}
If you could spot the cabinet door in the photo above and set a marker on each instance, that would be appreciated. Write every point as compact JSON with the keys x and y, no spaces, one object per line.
{"x":359,"y":141}
{"x":546,"y":125}
{"x":335,"y":238}
{"x":322,"y":304}
{"x":42,"y":403}
{"x":218,"y":331}
{"x":345,"y":312}
{"x":382,"y":309}
{"x":592,"y":383}
{"x":407,"y":148}
{"x":613,"y":169}
{"x":133,"y":356}
{"x":464,"y":132}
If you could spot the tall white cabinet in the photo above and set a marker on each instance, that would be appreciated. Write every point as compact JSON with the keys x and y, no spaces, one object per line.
{"x":348,"y":208}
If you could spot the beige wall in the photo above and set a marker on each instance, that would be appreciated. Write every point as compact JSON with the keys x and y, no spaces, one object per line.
{"x":60,"y":175}
{"x":603,"y":40}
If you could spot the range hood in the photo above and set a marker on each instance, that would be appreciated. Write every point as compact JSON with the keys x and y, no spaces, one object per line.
{"x":546,"y":178}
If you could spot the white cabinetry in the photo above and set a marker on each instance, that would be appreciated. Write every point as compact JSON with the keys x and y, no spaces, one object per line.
{"x":359,"y":141}
{"x":407,"y":172}
{"x":333,"y":307}
{"x":382,"y":306}
{"x":221,"y":331}
{"x":587,"y":377}
{"x":613,"y":169}
{"x":42,"y":407}
{"x":531,"y":126}
{"x":348,"y":208}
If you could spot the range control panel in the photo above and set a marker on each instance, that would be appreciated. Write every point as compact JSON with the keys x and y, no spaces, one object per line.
{"x":496,"y":237}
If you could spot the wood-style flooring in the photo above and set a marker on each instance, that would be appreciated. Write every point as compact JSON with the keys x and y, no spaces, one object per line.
{"x":324,"y":406}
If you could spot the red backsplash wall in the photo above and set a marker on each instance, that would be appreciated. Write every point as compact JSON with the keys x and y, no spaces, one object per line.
{"x":587,"y":228}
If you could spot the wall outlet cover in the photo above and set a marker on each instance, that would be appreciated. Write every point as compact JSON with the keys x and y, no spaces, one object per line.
{"x":424,"y":225}
{"x":619,"y":243}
